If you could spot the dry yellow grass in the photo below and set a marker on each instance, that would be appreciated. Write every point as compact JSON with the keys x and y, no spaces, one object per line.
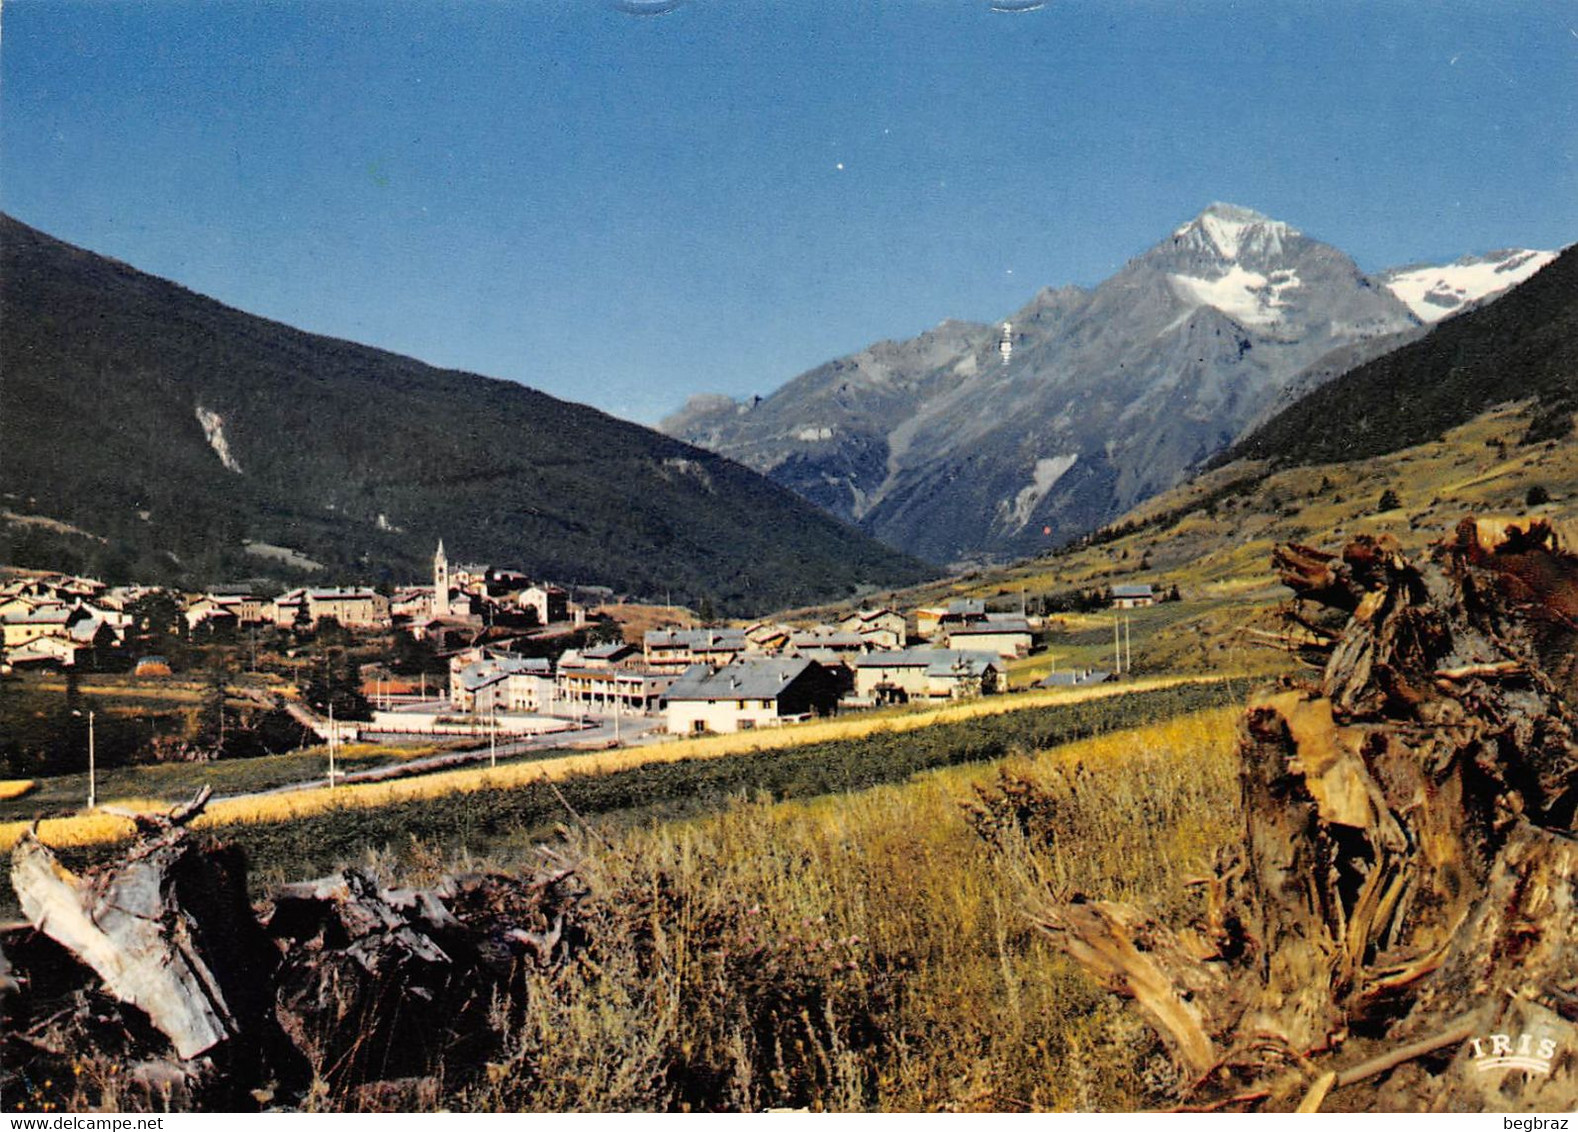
{"x":16,"y":788}
{"x":95,"y":829}
{"x":895,"y":883}
{"x":180,"y":693}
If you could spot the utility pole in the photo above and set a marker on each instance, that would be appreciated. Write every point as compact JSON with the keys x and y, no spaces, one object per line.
{"x":493,"y":733}
{"x":93,"y":795}
{"x":331,"y":743}
{"x":1128,"y":651}
{"x":1117,"y":646}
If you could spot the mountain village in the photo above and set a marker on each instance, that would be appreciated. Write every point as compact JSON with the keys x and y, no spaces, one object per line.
{"x":677,"y":679}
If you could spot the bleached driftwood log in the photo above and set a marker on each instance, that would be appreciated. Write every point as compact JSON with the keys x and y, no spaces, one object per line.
{"x":167,"y":927}
{"x":1409,"y":874}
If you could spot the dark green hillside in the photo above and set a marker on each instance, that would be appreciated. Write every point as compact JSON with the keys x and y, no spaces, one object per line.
{"x":357,"y":458}
{"x":1524,"y":344}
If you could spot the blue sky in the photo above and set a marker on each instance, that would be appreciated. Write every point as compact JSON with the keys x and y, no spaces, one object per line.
{"x":624,"y":209}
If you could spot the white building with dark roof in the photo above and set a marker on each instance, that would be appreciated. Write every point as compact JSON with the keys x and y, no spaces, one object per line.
{"x":926,"y":674}
{"x":1005,"y":636}
{"x":748,"y":693}
{"x":1133,"y":596}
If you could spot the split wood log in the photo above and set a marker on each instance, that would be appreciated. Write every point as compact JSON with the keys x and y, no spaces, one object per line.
{"x":167,"y":928}
{"x":1410,"y":867}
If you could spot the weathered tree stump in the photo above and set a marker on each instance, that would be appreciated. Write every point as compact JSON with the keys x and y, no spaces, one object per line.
{"x":1405,"y":907}
{"x":210,"y":1006}
{"x":167,"y":927}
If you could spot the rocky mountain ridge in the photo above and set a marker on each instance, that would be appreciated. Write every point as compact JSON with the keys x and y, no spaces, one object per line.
{"x":974,"y":442}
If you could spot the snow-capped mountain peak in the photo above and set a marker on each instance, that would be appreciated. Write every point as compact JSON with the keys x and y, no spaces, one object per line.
{"x":1434,"y":292}
{"x":1230,"y":232}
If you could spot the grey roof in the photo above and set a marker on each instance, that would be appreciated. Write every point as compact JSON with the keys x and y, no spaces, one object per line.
{"x":695,"y":638}
{"x":960,"y":662}
{"x":618,"y":675}
{"x":41,"y":615}
{"x":936,"y":662}
{"x":828,"y":641}
{"x":611,"y":651}
{"x":967,"y":607}
{"x":87,"y":629}
{"x":753,"y":678}
{"x":1137,"y":590}
{"x":497,"y":666}
{"x":827,"y":658}
{"x":1074,"y":679}
{"x":1014,"y":625}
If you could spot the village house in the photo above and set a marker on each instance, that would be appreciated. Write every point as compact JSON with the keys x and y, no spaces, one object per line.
{"x":52,"y":620}
{"x":605,"y":655}
{"x":932,"y":620}
{"x":1007,"y":636}
{"x":674,"y":650}
{"x":501,"y":682}
{"x":747,"y":693}
{"x":1134,"y":596}
{"x":840,"y":666}
{"x":290,"y":609}
{"x":767,"y":637}
{"x":926,"y":674}
{"x":210,"y":610}
{"x":551,"y":603}
{"x":579,"y":686}
{"x":410,"y":603}
{"x":48,"y":619}
{"x":44,"y":651}
{"x":355,"y":607}
{"x":237,"y":607}
{"x":845,"y":646}
{"x":880,"y":628}
{"x":15,"y":605}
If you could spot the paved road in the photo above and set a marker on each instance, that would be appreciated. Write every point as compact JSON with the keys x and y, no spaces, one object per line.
{"x":600,"y":735}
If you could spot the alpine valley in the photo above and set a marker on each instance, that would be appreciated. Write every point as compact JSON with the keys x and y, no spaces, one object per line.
{"x":975,"y":442}
{"x":151,"y":434}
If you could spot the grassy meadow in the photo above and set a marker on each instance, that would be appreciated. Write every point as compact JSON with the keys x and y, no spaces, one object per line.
{"x":871,"y":948}
{"x":57,"y":798}
{"x":156,"y":787}
{"x":1213,"y":538}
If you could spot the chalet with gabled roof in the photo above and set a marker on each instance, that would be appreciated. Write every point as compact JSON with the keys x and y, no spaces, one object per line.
{"x":748,"y":693}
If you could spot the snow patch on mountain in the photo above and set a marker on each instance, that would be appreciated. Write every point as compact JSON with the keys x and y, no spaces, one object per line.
{"x":214,"y":429}
{"x":1434,"y":292}
{"x":814,"y":433}
{"x":1230,"y":231}
{"x":1047,"y":472}
{"x":1248,"y":296}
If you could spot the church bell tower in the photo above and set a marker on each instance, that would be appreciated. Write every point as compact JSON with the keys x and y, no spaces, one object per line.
{"x":440,"y":582}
